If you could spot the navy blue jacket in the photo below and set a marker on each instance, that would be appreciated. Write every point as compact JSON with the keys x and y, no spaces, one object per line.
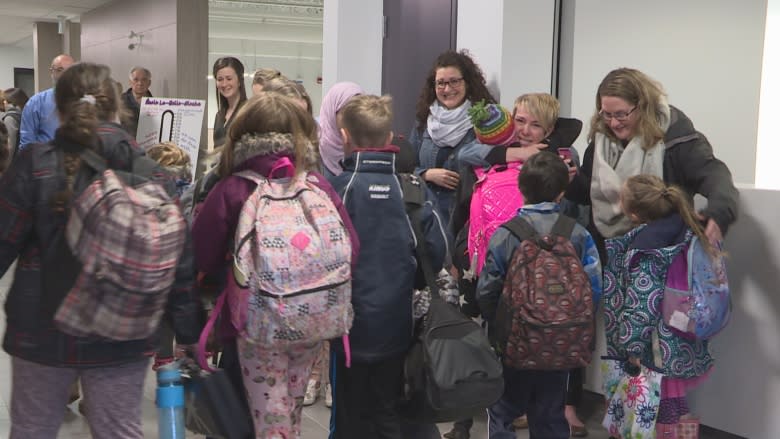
{"x":384,"y":277}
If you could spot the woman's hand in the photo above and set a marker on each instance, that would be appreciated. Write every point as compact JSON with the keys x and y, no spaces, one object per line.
{"x":523,"y":153}
{"x":442,"y":177}
{"x":572,"y":168}
{"x":712,"y":230}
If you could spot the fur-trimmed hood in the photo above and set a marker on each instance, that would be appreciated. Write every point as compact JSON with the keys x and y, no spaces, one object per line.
{"x":252,"y":145}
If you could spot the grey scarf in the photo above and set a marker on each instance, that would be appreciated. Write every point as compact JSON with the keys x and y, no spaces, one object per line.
{"x":448,"y":127}
{"x":612,"y":166}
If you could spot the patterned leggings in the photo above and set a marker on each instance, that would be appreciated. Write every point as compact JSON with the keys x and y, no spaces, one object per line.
{"x":275,"y":383}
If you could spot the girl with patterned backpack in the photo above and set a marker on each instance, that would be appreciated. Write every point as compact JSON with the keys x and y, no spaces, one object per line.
{"x":278,"y":230}
{"x":643,"y":267}
{"x":39,"y":195}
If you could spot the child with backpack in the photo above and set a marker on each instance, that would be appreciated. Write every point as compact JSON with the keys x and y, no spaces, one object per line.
{"x":489,"y":196}
{"x":536,"y":291}
{"x":52,"y":311}
{"x":287,"y":277}
{"x":640,"y":269}
{"x":14,"y":100}
{"x":365,"y":394}
{"x":177,"y":162}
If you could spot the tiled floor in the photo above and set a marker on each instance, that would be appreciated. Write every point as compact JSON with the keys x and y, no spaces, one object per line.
{"x":315,"y":420}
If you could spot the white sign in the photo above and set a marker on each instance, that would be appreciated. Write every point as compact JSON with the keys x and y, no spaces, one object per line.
{"x":172,"y":120}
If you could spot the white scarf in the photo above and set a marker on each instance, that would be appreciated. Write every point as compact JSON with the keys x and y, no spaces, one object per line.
{"x":448,"y":127}
{"x":613,"y":165}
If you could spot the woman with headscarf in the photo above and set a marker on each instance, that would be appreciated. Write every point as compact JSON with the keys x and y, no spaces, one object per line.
{"x":331,"y":144}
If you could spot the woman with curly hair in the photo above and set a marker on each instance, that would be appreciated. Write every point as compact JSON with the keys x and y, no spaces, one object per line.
{"x":443,"y":125}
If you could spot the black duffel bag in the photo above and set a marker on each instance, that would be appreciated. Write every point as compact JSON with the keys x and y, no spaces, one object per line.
{"x":451,"y":372}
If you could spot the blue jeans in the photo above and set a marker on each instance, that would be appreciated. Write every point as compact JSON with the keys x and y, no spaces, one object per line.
{"x":541,"y":395}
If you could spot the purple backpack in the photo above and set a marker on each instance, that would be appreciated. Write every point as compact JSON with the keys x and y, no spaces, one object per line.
{"x":697,"y":301}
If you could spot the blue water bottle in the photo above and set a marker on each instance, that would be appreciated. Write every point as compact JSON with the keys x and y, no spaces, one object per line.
{"x":170,"y":402}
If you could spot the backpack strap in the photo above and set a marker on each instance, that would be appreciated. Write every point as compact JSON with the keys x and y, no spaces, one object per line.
{"x":521,"y":228}
{"x":564,"y":226}
{"x":251,"y":176}
{"x":414,"y":201}
{"x":204,"y":334}
{"x":93,"y":160}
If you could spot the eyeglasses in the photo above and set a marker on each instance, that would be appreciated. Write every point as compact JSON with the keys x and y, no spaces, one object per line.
{"x":56,"y":69}
{"x":619,"y":116}
{"x":453,"y":83}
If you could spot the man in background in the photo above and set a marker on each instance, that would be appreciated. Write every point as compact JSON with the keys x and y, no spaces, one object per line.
{"x":39,"y":118}
{"x":140,"y":80}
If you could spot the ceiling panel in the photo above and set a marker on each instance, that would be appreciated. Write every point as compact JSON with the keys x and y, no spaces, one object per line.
{"x":17,"y":16}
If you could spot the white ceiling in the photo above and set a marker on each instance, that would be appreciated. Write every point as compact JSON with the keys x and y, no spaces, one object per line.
{"x":17,"y":16}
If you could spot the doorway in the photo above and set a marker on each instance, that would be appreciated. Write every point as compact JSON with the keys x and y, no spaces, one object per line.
{"x":410,"y":49}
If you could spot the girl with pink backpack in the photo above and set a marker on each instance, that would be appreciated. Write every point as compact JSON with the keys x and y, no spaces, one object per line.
{"x":271,"y":146}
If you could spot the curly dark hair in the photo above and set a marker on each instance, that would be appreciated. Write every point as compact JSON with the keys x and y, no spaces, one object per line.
{"x":476,"y":89}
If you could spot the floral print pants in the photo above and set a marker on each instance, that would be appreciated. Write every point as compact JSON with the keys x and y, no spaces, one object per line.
{"x":275,"y":383}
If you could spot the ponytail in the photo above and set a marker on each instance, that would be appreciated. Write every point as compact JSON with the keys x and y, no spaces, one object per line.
{"x":650,"y":199}
{"x":85,"y":96}
{"x":684,"y":207}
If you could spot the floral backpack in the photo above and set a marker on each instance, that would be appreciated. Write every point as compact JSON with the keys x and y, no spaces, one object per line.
{"x":292,"y":262}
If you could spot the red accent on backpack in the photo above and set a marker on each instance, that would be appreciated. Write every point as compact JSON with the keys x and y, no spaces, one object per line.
{"x":546,"y":307}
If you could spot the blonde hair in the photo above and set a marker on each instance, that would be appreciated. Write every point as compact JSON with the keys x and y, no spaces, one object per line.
{"x":270,"y":113}
{"x":368,"y":119}
{"x":543,"y":106}
{"x":636,"y":89}
{"x":289,"y":88}
{"x":170,"y":156}
{"x":262,"y":76}
{"x":650,"y":199}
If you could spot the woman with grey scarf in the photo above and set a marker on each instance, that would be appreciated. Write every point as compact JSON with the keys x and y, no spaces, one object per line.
{"x":635,"y":131}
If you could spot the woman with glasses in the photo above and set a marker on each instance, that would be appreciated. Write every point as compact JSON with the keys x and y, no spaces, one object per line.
{"x":635,"y":131}
{"x":443,"y":125}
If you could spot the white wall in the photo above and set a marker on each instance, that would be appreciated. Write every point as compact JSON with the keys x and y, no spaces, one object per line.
{"x":515,"y":51}
{"x":294,"y":50}
{"x":352,"y":44}
{"x":471,"y":36}
{"x":768,"y":155}
{"x":742,"y":395}
{"x":104,"y":39}
{"x":10,"y":57}
{"x":707,"y":54}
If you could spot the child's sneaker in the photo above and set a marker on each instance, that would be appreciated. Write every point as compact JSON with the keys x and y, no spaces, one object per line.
{"x":328,"y":396}
{"x":312,"y":389}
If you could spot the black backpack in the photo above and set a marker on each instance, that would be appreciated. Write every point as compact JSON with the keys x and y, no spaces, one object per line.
{"x":450,"y":371}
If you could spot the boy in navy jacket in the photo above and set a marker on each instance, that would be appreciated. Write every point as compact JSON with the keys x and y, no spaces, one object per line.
{"x":365,"y":394}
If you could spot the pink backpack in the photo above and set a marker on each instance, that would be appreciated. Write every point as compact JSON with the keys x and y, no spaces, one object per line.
{"x":291,"y":277}
{"x":495,"y":201}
